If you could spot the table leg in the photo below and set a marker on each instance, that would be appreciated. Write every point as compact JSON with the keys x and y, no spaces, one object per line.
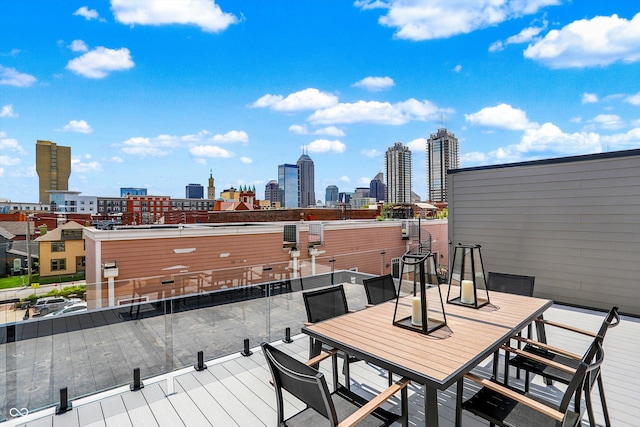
{"x":459,"y":392}
{"x":430,"y":406}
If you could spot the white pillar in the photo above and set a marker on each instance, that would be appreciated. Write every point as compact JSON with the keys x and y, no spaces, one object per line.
{"x":112,"y":292}
{"x":295,"y":254}
{"x":313,"y":252}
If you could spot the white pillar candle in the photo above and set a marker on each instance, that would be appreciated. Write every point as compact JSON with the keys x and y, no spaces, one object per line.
{"x":416,"y":312}
{"x":466,"y":295}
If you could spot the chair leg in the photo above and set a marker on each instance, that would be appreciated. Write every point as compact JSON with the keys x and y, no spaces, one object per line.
{"x":505,"y":380}
{"x":390,"y":375}
{"x":592,"y":418}
{"x":605,"y":411}
{"x":496,"y":361}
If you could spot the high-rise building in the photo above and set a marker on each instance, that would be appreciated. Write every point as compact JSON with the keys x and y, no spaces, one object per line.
{"x":331,"y":195}
{"x":398,"y":168}
{"x":377,"y":189}
{"x":442,"y":155}
{"x":288,"y":185}
{"x":211,"y":188}
{"x":53,"y":165}
{"x":194,"y":191}
{"x":271,"y":192}
{"x":306,"y":186}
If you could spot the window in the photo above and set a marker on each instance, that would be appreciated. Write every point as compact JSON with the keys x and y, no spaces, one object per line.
{"x":57,"y":246}
{"x":58,"y":264}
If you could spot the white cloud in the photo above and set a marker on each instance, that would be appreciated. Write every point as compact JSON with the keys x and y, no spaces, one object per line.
{"x":434,"y":19}
{"x":246,"y":160}
{"x":307,"y":99}
{"x":78,"y":46}
{"x":326,"y":146}
{"x":141,"y":146}
{"x":589,"y":98}
{"x":87,"y":13}
{"x":599,"y":41}
{"x":375,"y":84}
{"x":9,"y":161}
{"x":344,"y":178}
{"x":502,"y":116}
{"x":1,"y":172}
{"x":633,"y":99}
{"x":10,"y":144}
{"x":371,"y":153}
{"x":82,"y":167}
{"x":212,"y":151}
{"x":7,"y":111}
{"x":329,"y":130}
{"x":418,"y":145}
{"x":378,"y":112}
{"x":544,"y":141}
{"x":232,"y":136}
{"x":496,"y":46}
{"x":623,"y":141}
{"x":11,"y":77}
{"x":609,"y":121}
{"x":576,"y":120}
{"x":80,"y":126}
{"x":457,"y":68}
{"x":99,"y":62}
{"x":116,"y":159}
{"x":206,"y":14}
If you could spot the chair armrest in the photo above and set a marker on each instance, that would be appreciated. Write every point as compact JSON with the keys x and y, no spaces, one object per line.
{"x":512,"y":394}
{"x":374,"y":403}
{"x":322,"y":356}
{"x":566,"y":327}
{"x":539,"y":359}
{"x":548,"y":347}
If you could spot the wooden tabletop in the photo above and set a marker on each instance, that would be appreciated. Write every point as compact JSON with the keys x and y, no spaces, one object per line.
{"x":437,"y":359}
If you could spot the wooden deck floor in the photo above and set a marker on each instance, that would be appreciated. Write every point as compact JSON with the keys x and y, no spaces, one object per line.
{"x":234,"y":391}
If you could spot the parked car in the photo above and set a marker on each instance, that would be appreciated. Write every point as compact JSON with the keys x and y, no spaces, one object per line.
{"x":76,"y":307}
{"x":48,"y":304}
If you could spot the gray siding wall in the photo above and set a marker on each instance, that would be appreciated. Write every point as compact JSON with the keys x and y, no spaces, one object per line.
{"x":574,"y":225}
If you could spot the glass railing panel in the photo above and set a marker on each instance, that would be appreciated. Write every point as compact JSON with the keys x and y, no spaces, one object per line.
{"x":160,"y":323}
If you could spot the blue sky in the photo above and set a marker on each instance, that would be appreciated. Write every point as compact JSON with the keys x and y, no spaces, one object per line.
{"x":157,"y":93}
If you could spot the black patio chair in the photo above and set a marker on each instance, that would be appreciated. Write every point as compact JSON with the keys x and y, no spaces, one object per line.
{"x":341,"y":407}
{"x":504,"y":406}
{"x":557,"y":364}
{"x":323,"y":304}
{"x":380,"y":289}
{"x":511,"y":284}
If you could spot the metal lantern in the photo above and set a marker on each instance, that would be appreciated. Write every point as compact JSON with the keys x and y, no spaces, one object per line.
{"x":419,"y":296}
{"x":467,"y":281}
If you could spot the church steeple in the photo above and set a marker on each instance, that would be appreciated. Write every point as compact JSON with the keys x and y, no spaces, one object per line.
{"x":211,"y":189}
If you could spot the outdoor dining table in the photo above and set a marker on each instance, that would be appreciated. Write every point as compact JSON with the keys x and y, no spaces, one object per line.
{"x":436,"y":360}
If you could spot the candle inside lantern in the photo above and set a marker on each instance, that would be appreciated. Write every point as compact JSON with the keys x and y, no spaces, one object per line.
{"x":466,"y":295}
{"x":416,"y":312}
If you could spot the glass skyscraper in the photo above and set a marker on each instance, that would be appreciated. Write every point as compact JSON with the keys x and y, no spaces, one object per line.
{"x":442,"y":155}
{"x":398,"y":168}
{"x":288,"y":185}
{"x":377,"y":189}
{"x":331,"y":195}
{"x":306,"y":180}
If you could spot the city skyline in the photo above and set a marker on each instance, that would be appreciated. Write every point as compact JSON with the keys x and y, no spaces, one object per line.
{"x":158,"y":97}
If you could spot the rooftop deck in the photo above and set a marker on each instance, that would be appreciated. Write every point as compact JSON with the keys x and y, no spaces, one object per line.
{"x":234,"y":390}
